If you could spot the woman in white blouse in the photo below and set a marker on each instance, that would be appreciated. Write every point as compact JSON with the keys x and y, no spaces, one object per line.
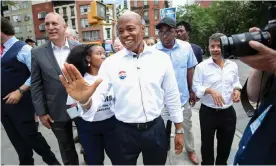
{"x":96,"y":129}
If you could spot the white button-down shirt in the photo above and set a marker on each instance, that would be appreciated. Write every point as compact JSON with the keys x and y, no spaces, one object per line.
{"x":141,"y":86}
{"x":61,"y":54}
{"x":224,"y":80}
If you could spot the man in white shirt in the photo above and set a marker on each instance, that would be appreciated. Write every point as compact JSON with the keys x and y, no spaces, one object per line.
{"x":143,"y":81}
{"x":48,"y":94}
{"x":216,"y":83}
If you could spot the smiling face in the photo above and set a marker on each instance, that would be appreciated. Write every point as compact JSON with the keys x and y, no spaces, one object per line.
{"x":131,"y":32}
{"x":97,"y":56}
{"x":214,"y":48}
{"x":55,"y":27}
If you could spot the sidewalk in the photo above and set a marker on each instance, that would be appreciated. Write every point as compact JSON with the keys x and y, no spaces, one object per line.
{"x":9,"y":157}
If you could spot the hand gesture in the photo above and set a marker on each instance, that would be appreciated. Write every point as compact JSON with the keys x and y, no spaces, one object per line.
{"x":75,"y":85}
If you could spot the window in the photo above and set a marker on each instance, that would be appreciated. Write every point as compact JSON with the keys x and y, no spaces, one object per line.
{"x":15,"y":7}
{"x":28,"y":28}
{"x":16,"y":18}
{"x":42,"y":15}
{"x":125,"y":4}
{"x":91,"y":35}
{"x":156,"y":2}
{"x":146,"y":15}
{"x":156,"y":31}
{"x":57,"y":10}
{"x":84,"y":9}
{"x":147,"y":31}
{"x":156,"y":14}
{"x":16,"y":29}
{"x":108,"y":35}
{"x":146,"y":2}
{"x":72,"y":10}
{"x":64,"y":11}
{"x":84,"y":23}
{"x":42,"y":27}
{"x":135,"y":3}
{"x":73,"y":23}
{"x":25,"y":4}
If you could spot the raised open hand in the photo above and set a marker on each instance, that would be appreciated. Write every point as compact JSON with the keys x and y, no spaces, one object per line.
{"x":75,"y":85}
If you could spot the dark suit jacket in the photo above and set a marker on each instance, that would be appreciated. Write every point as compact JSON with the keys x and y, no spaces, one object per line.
{"x":48,"y":94}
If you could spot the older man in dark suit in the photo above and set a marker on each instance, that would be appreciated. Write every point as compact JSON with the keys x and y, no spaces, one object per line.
{"x":48,"y":94}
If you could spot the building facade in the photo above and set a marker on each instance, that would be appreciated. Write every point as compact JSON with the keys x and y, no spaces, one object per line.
{"x":150,"y":12}
{"x":87,"y":32}
{"x":20,"y":15}
{"x":40,"y":10}
{"x":67,"y":9}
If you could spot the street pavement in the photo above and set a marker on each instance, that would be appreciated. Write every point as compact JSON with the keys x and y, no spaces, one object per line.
{"x":9,"y":156}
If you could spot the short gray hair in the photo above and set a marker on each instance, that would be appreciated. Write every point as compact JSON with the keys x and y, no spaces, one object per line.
{"x":216,"y":36}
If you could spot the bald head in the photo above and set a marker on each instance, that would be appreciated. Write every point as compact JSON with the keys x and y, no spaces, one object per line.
{"x":129,"y":15}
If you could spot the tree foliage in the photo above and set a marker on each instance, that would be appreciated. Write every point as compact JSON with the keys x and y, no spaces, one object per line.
{"x":228,"y":17}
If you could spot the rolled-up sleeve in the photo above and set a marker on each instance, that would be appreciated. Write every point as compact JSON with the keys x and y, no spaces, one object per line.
{"x":198,"y":87}
{"x":171,"y":94}
{"x":236,"y":82}
{"x":25,"y":57}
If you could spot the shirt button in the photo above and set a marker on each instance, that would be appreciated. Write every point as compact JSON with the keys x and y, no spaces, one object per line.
{"x":243,"y":147}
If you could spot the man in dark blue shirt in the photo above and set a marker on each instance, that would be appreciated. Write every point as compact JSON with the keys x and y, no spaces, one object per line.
{"x":183,"y":30}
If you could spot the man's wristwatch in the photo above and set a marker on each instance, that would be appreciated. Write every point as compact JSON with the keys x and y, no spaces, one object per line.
{"x":179,"y":131}
{"x":21,"y":91}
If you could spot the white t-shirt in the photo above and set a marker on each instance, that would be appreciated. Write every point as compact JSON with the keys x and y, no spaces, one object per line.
{"x":104,"y":111}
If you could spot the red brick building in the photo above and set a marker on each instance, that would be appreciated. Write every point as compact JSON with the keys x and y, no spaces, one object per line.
{"x":87,"y":32}
{"x":203,"y":3}
{"x":40,"y":10}
{"x":149,"y":11}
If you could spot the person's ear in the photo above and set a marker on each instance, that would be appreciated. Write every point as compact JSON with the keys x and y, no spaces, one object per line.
{"x":143,"y":30}
{"x":88,"y":58}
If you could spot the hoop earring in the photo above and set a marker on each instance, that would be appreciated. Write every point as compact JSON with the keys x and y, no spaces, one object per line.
{"x":88,"y":64}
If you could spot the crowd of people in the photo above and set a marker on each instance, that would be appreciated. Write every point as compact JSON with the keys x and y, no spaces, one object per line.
{"x":125,"y":104}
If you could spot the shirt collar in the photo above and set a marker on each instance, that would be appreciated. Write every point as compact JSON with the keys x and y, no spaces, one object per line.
{"x":160,"y":46}
{"x":211,"y":61}
{"x":146,"y":50}
{"x":65,"y":45}
{"x":10,"y":42}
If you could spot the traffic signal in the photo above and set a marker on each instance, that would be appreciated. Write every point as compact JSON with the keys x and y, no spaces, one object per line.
{"x":98,"y":10}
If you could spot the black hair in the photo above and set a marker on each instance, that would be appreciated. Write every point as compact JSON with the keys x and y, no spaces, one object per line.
{"x":29,"y":40}
{"x":77,"y":57}
{"x":186,"y":25}
{"x":7,"y":27}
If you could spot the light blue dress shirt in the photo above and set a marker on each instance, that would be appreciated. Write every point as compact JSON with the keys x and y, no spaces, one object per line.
{"x":24,"y":55}
{"x":183,"y":58}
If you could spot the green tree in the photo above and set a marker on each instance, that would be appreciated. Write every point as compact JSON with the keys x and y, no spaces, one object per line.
{"x":228,"y":17}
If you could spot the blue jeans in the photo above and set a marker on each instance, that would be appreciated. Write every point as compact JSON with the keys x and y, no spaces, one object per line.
{"x":97,"y":137}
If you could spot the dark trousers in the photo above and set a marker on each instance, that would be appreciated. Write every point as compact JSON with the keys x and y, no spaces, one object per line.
{"x":64,"y":134}
{"x":221,"y":122}
{"x":168,"y":133}
{"x":151,"y":141}
{"x":97,"y":137}
{"x":21,"y":129}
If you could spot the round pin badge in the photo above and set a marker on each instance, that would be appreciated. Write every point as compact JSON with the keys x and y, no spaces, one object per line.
{"x":122,"y":75}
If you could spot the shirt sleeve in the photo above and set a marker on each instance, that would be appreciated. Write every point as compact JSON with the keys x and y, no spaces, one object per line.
{"x":198,"y":87}
{"x":171,"y":94}
{"x":25,"y":57}
{"x":102,"y":90}
{"x":192,"y":61}
{"x":236,"y":82}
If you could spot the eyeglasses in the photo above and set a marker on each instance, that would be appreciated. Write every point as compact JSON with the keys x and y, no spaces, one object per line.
{"x":167,"y":33}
